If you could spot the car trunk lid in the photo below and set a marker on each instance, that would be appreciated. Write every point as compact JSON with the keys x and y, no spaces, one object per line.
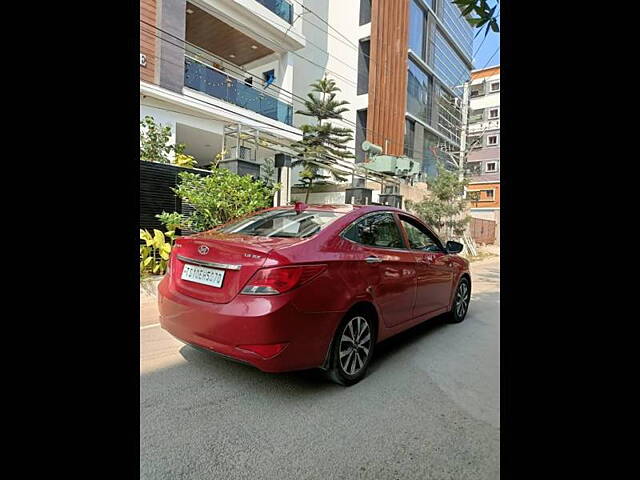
{"x":238,"y":256}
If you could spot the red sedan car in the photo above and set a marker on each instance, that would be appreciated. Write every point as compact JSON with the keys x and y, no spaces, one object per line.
{"x":310,"y":286}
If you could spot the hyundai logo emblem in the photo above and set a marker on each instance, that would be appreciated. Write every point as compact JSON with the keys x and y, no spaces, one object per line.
{"x":203,"y":249}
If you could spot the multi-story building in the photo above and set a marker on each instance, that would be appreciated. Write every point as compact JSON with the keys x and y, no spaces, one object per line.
{"x":483,"y":160}
{"x":233,"y":73}
{"x":217,"y":70}
{"x":415,"y":56}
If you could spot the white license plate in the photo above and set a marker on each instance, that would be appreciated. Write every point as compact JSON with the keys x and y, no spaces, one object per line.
{"x":204,"y":275}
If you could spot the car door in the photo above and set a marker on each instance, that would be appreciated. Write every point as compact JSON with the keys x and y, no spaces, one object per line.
{"x":433,"y":267}
{"x":386,"y":263}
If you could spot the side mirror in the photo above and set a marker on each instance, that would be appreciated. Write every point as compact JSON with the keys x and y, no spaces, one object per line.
{"x":454,"y":247}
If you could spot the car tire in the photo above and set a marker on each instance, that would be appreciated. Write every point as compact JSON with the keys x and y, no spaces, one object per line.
{"x":352,"y":350}
{"x":461,"y":301}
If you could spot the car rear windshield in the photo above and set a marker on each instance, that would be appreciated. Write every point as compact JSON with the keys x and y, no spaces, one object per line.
{"x":282,"y":223}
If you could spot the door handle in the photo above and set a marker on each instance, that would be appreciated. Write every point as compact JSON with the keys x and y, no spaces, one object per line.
{"x":372,"y":259}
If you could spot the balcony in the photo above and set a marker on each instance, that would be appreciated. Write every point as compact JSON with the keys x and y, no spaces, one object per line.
{"x":268,"y":21}
{"x":222,"y":85}
{"x":280,"y":7}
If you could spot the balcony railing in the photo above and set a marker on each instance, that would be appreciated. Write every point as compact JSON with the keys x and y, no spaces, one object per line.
{"x":218,"y":84}
{"x":280,"y":7}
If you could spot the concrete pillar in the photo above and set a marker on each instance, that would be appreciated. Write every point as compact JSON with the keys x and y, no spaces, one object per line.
{"x":172,"y":20}
{"x":285,"y":68}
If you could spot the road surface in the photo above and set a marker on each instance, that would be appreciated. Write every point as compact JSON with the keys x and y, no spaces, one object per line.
{"x":428,"y":408}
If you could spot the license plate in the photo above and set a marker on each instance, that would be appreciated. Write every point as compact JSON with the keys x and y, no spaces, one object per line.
{"x":203,"y":275}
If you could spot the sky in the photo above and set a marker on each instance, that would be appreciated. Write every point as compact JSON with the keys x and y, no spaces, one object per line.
{"x":488,"y":48}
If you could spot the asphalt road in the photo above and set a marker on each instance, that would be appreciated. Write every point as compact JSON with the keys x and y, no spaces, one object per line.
{"x":428,"y":409}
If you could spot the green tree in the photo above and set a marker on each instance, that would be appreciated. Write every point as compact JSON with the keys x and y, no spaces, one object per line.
{"x":323,"y":142}
{"x":485,"y":15}
{"x":444,"y":208}
{"x":155,"y":143}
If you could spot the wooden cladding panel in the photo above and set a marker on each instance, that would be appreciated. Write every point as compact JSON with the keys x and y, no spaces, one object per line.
{"x":388,"y":74}
{"x":148,"y":39}
{"x":221,"y":39}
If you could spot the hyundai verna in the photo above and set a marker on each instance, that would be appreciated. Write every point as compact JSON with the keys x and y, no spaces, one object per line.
{"x":309,"y":286}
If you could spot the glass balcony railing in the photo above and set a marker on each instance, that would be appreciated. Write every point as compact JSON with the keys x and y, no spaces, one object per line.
{"x":280,"y":7}
{"x":211,"y":81}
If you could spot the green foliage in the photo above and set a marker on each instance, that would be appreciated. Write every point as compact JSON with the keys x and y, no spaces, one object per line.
{"x":268,"y":171}
{"x":220,"y":197}
{"x":183,"y":160}
{"x":322,"y":141}
{"x":154,"y":141}
{"x":172,"y":221}
{"x":485,"y":15}
{"x":154,"y":253}
{"x":155,"y":145}
{"x":444,"y":208}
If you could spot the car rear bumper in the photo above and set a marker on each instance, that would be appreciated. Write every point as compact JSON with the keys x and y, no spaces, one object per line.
{"x":249,"y":320}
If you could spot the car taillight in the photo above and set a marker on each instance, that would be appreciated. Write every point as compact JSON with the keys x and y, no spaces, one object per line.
{"x":272,"y":281}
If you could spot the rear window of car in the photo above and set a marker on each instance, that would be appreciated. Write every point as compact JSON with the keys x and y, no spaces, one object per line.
{"x":282,"y":223}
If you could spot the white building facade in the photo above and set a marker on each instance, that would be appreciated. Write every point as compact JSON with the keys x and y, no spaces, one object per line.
{"x":232,"y":73}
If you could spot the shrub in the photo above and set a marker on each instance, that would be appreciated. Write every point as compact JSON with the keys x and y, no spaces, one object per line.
{"x":154,"y":254}
{"x":221,"y":196}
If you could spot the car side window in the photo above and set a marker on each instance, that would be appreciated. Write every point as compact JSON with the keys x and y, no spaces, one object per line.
{"x":419,"y":237}
{"x":380,"y":230}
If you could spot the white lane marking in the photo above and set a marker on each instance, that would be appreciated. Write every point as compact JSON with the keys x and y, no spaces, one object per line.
{"x":150,"y":326}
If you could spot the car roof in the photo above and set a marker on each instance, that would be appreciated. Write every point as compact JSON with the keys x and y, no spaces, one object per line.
{"x":343,"y":208}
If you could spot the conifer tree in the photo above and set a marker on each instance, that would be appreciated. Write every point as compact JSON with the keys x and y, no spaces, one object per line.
{"x":322,"y":142}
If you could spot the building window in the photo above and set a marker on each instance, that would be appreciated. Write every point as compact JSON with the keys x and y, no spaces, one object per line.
{"x":431,"y":154}
{"x":494,"y":113}
{"x":365,"y":12}
{"x":361,"y":133}
{"x":474,"y":168}
{"x":476,"y":92}
{"x":448,"y":64}
{"x":457,"y":25}
{"x":476,"y":116}
{"x":409,"y":137}
{"x":474,"y":142}
{"x":418,"y":93}
{"x":495,"y":86}
{"x":491,"y":167}
{"x":492,"y":140}
{"x":417,"y":27}
{"x":363,"y":67}
{"x":473,"y":195}
{"x":449,"y":115}
{"x":476,"y":196}
{"x":268,"y":77}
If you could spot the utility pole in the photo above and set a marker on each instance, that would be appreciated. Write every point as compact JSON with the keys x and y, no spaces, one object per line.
{"x":463,"y":133}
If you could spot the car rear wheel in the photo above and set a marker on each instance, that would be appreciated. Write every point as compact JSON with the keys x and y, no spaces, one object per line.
{"x":352,"y":349}
{"x":460,"y":302}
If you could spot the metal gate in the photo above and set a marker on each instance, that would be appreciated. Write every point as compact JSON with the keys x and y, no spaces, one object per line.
{"x":482,"y":231}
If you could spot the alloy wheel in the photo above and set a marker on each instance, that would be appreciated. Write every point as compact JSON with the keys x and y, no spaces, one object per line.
{"x":462,"y":299}
{"x":355,"y":345}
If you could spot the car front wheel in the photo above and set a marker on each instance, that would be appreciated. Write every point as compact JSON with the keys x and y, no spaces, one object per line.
{"x":352,"y":349}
